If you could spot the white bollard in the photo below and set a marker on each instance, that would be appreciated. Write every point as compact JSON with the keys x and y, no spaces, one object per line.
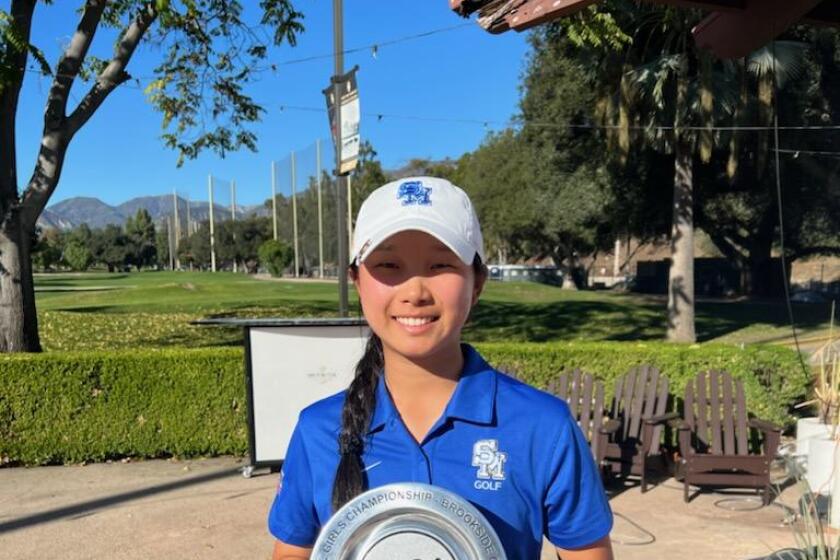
{"x":821,"y":461}
{"x":806,"y":430}
{"x":834,"y":501}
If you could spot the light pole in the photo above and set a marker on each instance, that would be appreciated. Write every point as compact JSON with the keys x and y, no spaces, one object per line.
{"x":338,"y":45}
{"x":212,"y":232}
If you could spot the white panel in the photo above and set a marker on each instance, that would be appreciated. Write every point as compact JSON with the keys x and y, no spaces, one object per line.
{"x":292,"y":367}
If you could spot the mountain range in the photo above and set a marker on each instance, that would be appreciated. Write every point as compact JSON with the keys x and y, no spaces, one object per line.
{"x":72,"y":212}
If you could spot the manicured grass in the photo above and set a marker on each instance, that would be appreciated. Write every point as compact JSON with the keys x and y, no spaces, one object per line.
{"x":153,"y":309}
{"x":183,"y":292}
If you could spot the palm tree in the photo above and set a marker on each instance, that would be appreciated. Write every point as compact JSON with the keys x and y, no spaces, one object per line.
{"x":679,"y":95}
{"x":673,"y":96}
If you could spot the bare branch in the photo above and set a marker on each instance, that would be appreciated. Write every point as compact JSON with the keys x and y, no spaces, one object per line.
{"x":71,"y":62}
{"x":114,"y":73}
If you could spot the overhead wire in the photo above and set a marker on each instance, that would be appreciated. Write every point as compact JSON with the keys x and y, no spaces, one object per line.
{"x":373,"y":47}
{"x":486,"y":123}
{"x":797,"y":152}
{"x":538,"y":124}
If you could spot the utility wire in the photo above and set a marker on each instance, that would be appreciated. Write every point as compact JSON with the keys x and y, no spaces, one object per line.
{"x":372,"y":47}
{"x":539,"y":124}
{"x":796,"y":152}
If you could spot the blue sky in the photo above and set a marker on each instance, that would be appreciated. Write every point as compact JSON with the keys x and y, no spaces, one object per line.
{"x":464,"y":73}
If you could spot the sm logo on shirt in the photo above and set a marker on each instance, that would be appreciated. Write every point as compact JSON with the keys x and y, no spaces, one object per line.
{"x":491,"y":464}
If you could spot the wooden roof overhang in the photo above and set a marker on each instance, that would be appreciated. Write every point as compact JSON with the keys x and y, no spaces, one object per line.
{"x":734,"y":28}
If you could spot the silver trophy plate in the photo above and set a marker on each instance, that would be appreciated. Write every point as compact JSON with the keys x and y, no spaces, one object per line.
{"x":408,"y":520}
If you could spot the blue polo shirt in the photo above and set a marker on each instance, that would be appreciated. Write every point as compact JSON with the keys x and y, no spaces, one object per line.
{"x":513,"y":451}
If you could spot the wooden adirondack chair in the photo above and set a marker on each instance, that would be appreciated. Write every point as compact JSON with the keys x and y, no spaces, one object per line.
{"x":637,"y":416}
{"x":585,"y":396}
{"x":715,"y":433}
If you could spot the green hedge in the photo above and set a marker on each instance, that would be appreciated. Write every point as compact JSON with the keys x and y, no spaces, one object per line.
{"x":773,"y":377}
{"x":91,"y":406}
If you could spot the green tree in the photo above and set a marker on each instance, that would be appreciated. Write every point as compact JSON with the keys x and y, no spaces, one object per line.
{"x":661,"y":100}
{"x":77,"y":256}
{"x":111,"y":247}
{"x":275,"y":256}
{"x":81,"y":233}
{"x":723,"y":181}
{"x":47,"y":249}
{"x":195,"y":249}
{"x":497,"y":173}
{"x":140,"y":233}
{"x":308,"y":219}
{"x":543,"y":190}
{"x":208,"y":53}
{"x":240,"y":241}
{"x":575,"y":210}
{"x":367,"y":177}
{"x":251,"y":233}
{"x":740,"y":213}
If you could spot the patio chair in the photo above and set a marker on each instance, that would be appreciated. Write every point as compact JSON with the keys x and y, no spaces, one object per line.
{"x":715,"y":434}
{"x":585,"y":396}
{"x":638,"y":412}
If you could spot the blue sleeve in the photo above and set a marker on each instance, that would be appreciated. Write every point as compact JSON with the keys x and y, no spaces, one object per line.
{"x":293,"y":518}
{"x":577,"y":512}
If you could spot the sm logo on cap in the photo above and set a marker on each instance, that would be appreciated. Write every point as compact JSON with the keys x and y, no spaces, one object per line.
{"x":413,"y":192}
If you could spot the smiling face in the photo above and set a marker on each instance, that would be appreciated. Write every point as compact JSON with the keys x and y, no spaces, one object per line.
{"x":416,"y":295}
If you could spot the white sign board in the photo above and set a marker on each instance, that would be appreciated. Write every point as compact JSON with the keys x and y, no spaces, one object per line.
{"x":346,"y":133}
{"x":290,"y":368}
{"x":350,"y":139}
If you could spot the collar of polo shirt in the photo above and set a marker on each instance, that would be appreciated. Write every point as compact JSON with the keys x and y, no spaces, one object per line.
{"x":474,"y":399}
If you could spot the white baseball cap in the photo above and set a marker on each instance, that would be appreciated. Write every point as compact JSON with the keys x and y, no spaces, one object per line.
{"x":427,"y":204}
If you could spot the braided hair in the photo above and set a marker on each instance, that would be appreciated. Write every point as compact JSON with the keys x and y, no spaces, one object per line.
{"x":350,"y":479}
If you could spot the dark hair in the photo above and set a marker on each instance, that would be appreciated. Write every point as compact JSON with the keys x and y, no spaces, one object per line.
{"x":359,"y":404}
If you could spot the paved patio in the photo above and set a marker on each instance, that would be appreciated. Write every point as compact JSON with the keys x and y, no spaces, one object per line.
{"x":206,"y":509}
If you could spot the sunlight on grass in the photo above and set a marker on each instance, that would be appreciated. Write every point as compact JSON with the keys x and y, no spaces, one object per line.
{"x":154,"y":309}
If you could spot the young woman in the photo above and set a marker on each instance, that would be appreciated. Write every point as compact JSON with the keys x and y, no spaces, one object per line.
{"x":423,"y":407}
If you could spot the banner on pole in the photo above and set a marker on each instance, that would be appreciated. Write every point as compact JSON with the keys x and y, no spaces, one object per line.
{"x":350,"y":116}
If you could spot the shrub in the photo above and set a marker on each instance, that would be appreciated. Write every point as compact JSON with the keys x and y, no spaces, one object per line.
{"x":275,"y":256}
{"x":77,"y":256}
{"x":91,"y":406}
{"x":773,"y":377}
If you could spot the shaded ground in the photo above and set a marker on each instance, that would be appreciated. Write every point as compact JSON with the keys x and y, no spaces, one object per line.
{"x":153,"y":309}
{"x":206,"y":509}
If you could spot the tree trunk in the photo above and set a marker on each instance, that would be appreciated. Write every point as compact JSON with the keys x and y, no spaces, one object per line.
{"x":757,"y":273}
{"x":568,"y":278}
{"x":18,"y":318}
{"x":757,"y":282}
{"x":565,"y":263}
{"x":18,"y":321}
{"x":681,"y":272}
